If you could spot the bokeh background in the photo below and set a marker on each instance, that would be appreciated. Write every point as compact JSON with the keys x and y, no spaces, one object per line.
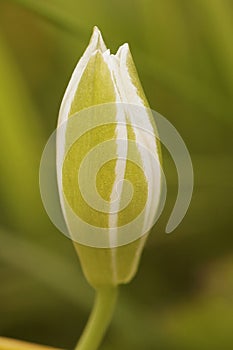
{"x":182,"y":296}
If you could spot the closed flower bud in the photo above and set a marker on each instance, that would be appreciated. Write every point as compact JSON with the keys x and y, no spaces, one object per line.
{"x":108,"y":168}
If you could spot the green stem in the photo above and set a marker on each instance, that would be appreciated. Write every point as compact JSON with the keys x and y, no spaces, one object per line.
{"x":99,"y":320}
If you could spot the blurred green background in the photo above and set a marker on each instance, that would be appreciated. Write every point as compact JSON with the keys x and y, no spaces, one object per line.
{"x":182,"y":296}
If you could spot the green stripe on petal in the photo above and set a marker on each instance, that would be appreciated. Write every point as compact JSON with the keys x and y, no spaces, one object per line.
{"x":96,"y":85}
{"x":71,"y":168}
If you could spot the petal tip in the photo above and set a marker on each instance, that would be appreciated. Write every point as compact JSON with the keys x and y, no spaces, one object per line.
{"x":97,"y":39}
{"x":123,"y":50}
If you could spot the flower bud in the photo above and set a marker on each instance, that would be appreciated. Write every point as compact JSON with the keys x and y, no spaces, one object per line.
{"x":108,"y":165}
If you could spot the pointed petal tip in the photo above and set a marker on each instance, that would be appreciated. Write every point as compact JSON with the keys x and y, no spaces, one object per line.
{"x":125,"y":46}
{"x":123,"y":52}
{"x":123,"y":49}
{"x":97,"y":39}
{"x":96,"y":30}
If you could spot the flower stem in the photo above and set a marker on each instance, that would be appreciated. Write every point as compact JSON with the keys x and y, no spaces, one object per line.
{"x":99,"y":319}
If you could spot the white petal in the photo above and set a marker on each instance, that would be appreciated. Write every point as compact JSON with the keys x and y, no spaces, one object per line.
{"x":96,"y":43}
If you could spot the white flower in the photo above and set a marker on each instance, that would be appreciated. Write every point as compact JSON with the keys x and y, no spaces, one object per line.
{"x":104,"y":115}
